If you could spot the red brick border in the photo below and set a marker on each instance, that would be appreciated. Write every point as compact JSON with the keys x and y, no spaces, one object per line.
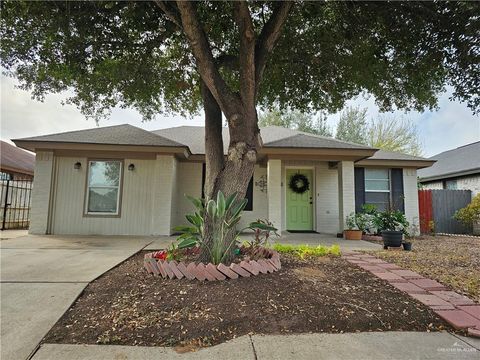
{"x":246,"y":268}
{"x":458,"y":310}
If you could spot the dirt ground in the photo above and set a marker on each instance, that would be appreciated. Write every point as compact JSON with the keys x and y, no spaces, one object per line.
{"x":453,"y":261}
{"x":128,"y":306}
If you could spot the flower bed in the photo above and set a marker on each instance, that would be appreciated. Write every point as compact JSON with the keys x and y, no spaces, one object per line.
{"x":156,"y":263}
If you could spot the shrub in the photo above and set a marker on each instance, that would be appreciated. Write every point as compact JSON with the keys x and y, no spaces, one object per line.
{"x":304,"y":250}
{"x":471,"y":213}
{"x":392,"y":220}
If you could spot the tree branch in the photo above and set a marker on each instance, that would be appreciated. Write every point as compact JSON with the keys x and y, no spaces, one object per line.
{"x":247,"y":53}
{"x":170,"y":12}
{"x":269,"y":37}
{"x":205,"y":62}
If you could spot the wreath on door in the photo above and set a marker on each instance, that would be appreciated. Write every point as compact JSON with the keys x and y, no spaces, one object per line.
{"x":299,"y":183}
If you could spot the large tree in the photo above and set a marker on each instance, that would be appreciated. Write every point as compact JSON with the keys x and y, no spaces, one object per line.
{"x":229,"y":57}
{"x":294,"y":119}
{"x":352,"y":125}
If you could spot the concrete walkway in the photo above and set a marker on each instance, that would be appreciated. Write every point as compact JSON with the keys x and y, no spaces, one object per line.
{"x":361,"y":346}
{"x":311,"y":239}
{"x":41,"y":276}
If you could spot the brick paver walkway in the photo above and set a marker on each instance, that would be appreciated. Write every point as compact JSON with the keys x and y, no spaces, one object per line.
{"x":458,"y":310}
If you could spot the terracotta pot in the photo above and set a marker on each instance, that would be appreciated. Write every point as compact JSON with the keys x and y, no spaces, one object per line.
{"x":352,"y":234}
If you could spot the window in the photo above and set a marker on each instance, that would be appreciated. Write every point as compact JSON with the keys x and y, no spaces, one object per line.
{"x":450,"y":184}
{"x":377,"y":188}
{"x":103,"y":187}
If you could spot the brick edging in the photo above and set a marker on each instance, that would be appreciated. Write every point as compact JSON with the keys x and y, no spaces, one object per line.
{"x":199,"y":271}
{"x":459,"y":311}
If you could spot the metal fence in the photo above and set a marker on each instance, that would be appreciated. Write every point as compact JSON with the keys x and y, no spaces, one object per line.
{"x":15,"y":203}
{"x":437,"y":208}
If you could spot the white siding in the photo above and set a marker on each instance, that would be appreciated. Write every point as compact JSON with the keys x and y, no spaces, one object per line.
{"x":275,"y":194}
{"x":44,"y":163}
{"x":327,"y":199}
{"x":410,"y":192}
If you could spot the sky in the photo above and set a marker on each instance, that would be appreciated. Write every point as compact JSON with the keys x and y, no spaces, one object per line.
{"x":453,"y":125}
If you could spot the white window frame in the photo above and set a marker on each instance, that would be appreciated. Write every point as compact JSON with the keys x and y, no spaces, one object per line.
{"x":87,"y":195}
{"x":389,"y":181}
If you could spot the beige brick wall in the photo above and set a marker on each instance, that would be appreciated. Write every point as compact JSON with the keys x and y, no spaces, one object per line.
{"x":437,"y":185}
{"x":42,"y":182}
{"x":274,"y":179}
{"x":410,"y":192}
{"x":346,"y":192}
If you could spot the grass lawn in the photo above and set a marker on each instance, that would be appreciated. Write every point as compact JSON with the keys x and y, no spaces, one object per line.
{"x":323,"y":294}
{"x":453,"y":261}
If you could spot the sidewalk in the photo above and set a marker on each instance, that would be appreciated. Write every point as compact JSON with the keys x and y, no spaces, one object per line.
{"x":360,"y":346}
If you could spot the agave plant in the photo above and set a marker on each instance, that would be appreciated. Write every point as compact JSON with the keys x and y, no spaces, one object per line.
{"x":222,"y":215}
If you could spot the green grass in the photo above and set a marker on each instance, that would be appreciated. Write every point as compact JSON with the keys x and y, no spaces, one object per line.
{"x":304,"y":250}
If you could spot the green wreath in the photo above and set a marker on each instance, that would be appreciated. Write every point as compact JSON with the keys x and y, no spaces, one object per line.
{"x":299,"y":183}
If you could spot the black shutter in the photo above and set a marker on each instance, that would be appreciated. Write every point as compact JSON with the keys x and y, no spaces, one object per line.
{"x":249,"y":196}
{"x":359,"y":188}
{"x":397,"y":190}
{"x":204,"y":172}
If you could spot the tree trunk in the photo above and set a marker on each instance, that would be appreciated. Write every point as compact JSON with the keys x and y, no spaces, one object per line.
{"x":214,"y":157}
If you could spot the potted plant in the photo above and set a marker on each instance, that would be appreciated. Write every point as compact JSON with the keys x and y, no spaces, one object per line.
{"x":392,"y":225}
{"x":353,"y":231}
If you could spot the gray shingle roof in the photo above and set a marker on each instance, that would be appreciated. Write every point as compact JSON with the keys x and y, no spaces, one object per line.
{"x":391,"y":155}
{"x":455,"y":162}
{"x":15,"y":158}
{"x":111,"y":135}
{"x":273,"y":136}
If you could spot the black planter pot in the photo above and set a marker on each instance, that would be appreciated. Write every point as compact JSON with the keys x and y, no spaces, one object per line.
{"x":392,"y":238}
{"x":407,"y":246}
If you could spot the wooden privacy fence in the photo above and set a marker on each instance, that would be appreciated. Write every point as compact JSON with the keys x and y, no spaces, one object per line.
{"x":15,"y":202}
{"x":437,"y":207}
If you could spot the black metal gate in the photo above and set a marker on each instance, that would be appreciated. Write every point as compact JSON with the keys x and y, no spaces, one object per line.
{"x":16,"y":198}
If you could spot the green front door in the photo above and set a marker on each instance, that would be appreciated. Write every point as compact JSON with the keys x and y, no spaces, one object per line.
{"x":299,"y":206}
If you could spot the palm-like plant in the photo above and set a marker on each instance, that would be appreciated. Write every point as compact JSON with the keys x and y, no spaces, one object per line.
{"x":223,"y":216}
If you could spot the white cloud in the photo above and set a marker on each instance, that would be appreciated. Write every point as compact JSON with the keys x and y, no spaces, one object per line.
{"x":451,"y":126}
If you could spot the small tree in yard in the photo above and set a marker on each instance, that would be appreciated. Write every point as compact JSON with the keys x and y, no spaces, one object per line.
{"x":470,"y":214}
{"x":230,"y":57}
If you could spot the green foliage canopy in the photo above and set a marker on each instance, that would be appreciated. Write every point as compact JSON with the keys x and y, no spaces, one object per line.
{"x":130,"y":54}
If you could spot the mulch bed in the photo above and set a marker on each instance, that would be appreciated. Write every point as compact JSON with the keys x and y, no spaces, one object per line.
{"x":452,"y":260}
{"x":129,"y":307}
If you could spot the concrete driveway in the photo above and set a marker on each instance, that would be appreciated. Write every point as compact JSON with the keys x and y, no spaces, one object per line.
{"x":41,"y":276}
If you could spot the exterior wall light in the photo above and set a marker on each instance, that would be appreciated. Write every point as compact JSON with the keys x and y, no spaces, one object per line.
{"x":77,"y":165}
{"x":131,"y":167}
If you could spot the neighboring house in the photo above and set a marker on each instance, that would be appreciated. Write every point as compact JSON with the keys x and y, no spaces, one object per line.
{"x":15,"y":163}
{"x":457,"y":169}
{"x":122,"y":180}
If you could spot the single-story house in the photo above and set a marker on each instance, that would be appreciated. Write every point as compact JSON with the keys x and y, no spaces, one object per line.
{"x":456,"y":169}
{"x":122,"y":180}
{"x":15,"y":163}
